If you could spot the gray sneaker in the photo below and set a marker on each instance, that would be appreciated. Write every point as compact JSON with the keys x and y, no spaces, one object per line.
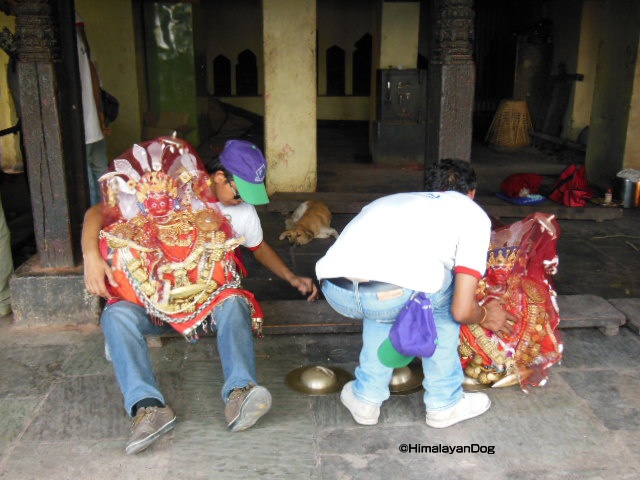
{"x":149,"y":424}
{"x":245,"y":406}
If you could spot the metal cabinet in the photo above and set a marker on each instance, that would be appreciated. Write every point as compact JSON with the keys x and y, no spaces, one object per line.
{"x":399,"y":129}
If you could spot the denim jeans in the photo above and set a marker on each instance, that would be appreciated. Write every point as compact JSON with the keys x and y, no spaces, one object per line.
{"x":97,"y":165}
{"x":125,"y":325}
{"x":442,"y":371}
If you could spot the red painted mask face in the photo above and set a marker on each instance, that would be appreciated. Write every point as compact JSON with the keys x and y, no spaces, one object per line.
{"x":158,"y":204}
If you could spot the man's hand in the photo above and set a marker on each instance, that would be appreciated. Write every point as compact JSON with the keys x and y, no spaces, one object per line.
{"x":96,"y":269}
{"x":497,"y":319}
{"x":306,"y":287}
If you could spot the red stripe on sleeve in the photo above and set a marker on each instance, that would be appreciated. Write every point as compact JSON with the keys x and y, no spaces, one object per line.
{"x":253,"y":249}
{"x":469,"y":271}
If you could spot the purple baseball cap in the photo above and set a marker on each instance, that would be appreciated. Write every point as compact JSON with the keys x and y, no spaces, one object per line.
{"x":413,"y":334}
{"x":247,"y":164}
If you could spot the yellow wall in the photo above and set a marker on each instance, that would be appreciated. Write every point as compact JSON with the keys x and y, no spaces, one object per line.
{"x":399,"y":34}
{"x":110,"y":30}
{"x":631,"y":154}
{"x":10,"y":144}
{"x":590,"y":35}
{"x":328,"y":108}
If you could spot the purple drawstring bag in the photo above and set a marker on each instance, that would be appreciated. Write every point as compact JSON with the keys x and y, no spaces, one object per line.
{"x":412,"y":335}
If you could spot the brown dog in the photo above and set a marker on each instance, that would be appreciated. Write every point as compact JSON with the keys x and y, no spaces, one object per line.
{"x":311,"y":219}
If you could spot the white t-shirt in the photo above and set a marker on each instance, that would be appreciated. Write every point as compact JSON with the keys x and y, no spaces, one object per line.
{"x":92,"y":129}
{"x":414,"y":240}
{"x":245,"y":222}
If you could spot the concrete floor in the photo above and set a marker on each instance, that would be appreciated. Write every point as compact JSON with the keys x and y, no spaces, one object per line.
{"x":61,"y":414}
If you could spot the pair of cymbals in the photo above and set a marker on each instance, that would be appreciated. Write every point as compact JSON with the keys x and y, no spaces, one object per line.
{"x":321,"y":380}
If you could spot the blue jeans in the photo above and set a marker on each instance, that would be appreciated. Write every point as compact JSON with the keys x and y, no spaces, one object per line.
{"x":443,"y":374}
{"x":125,"y":325}
{"x":97,"y":165}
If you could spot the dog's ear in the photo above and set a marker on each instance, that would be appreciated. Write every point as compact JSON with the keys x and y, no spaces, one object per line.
{"x":285,"y":234}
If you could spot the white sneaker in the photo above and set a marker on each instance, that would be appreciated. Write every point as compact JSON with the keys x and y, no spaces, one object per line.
{"x":362,"y":412}
{"x":471,"y":405}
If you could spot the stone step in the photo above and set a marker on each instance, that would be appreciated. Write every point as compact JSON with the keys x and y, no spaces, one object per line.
{"x":47,"y":298}
{"x":298,"y":316}
{"x":352,"y":203}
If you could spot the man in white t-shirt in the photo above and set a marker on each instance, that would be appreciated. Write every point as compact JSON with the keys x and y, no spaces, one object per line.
{"x":95,"y":125}
{"x":433,"y":242}
{"x":237,"y":183}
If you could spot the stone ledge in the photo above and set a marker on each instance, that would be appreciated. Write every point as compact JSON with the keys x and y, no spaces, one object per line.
{"x":630,"y":307}
{"x":579,"y":311}
{"x":47,"y":297}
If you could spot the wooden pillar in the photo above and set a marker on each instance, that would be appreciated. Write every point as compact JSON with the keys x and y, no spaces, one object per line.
{"x":290,"y":137}
{"x":54,"y":152}
{"x":451,"y":80}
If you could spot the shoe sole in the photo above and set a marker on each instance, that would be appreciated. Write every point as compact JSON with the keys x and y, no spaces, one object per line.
{"x":257,"y":404}
{"x":140,"y":445}
{"x":448,"y":423}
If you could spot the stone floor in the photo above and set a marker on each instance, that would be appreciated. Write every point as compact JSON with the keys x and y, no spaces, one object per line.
{"x":61,"y":417}
{"x":61,"y":414}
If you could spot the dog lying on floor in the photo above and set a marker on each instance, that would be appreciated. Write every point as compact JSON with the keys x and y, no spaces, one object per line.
{"x":311,"y":219}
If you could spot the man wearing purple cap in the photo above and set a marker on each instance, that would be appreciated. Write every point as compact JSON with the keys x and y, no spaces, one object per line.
{"x":365,"y":276}
{"x":236,"y":185}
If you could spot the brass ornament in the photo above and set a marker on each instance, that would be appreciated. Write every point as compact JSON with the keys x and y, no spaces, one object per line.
{"x":317,"y":380}
{"x":407,"y":380}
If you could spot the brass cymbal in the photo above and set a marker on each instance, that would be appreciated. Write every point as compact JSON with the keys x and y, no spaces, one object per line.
{"x":317,"y":379}
{"x":407,"y":380}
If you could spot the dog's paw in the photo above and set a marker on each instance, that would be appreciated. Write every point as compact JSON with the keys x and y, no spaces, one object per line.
{"x":326,"y":232}
{"x":286,"y":234}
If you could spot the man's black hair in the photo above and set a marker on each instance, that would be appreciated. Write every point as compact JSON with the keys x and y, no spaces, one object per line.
{"x":214,"y":165}
{"x":450,"y":174}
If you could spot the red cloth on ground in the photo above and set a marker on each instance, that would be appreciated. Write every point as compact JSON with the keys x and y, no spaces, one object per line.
{"x":521,"y":184}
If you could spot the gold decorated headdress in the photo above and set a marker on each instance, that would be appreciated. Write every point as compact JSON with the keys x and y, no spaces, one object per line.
{"x":503,"y":257}
{"x":156,"y":182}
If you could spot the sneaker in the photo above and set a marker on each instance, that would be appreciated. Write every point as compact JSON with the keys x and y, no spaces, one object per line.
{"x":471,"y":405}
{"x":362,"y":412}
{"x":245,"y":406}
{"x":149,"y":424}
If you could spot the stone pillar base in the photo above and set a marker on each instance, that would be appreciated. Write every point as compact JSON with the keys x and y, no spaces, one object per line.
{"x":51,"y":297}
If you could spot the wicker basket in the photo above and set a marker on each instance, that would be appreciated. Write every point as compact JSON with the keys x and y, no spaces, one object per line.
{"x":510,"y":126}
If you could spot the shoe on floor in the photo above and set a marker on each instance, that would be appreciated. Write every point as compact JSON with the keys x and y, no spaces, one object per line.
{"x":362,"y":412}
{"x":149,"y":424}
{"x":471,"y":405}
{"x":245,"y":406}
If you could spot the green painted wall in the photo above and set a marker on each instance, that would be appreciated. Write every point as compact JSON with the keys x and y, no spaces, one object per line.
{"x":170,"y":60}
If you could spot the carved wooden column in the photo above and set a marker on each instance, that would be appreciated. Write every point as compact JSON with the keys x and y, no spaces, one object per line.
{"x":55,"y":163}
{"x":451,"y":80}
